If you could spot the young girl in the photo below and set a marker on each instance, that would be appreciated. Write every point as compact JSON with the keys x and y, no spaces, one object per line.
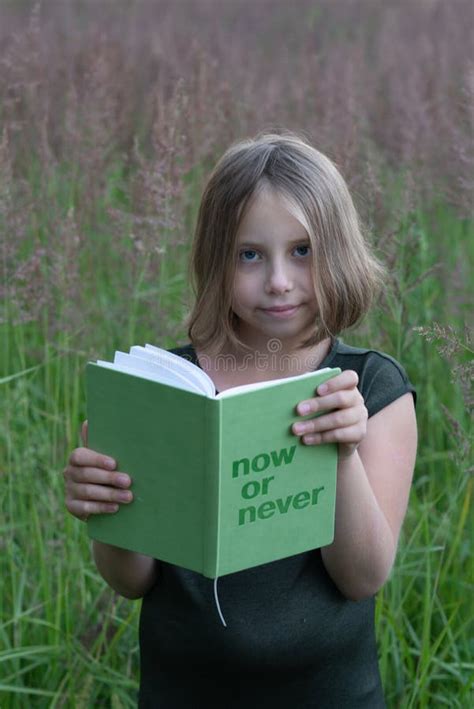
{"x":280,"y":268}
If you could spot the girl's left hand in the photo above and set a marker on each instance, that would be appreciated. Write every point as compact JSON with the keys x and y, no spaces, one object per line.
{"x":346,"y":424}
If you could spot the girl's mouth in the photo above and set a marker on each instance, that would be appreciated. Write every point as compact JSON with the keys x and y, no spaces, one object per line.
{"x":281,"y":311}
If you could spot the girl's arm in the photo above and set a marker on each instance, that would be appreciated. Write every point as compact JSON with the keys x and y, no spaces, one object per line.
{"x":376,"y":462}
{"x":372,"y":496}
{"x":127,"y":572}
{"x":93,"y":486}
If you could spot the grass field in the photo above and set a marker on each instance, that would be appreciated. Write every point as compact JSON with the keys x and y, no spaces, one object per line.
{"x":101,"y":168}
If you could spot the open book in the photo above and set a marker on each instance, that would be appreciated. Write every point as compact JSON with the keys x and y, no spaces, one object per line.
{"x":220,"y":482}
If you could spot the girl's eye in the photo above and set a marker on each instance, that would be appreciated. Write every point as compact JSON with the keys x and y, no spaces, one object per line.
{"x":247,"y":255}
{"x":305,"y":248}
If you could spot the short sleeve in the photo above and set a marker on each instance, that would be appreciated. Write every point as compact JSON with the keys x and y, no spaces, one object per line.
{"x":382,"y":381}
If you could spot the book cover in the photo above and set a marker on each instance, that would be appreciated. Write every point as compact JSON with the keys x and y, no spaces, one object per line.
{"x":220,"y":484}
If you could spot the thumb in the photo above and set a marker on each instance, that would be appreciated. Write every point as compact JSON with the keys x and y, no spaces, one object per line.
{"x":84,"y":431}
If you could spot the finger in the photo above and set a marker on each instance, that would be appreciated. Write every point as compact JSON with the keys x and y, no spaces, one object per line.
{"x":93,"y":459}
{"x":342,"y":399}
{"x":345,"y":380}
{"x":341,"y":418}
{"x":84,"y":432}
{"x":83,"y":509}
{"x":349,"y":435}
{"x":97,"y":476}
{"x":98,"y":493}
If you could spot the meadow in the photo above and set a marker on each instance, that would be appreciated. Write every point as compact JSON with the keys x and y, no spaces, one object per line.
{"x":111,"y":116}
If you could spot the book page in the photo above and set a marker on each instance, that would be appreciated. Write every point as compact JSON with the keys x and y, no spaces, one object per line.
{"x":184,"y":366}
{"x":146,"y":373}
{"x":243,"y":388}
{"x":174,"y":363}
{"x":161,"y":374}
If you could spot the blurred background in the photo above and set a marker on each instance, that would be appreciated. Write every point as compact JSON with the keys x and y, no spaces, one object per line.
{"x":112,"y":114}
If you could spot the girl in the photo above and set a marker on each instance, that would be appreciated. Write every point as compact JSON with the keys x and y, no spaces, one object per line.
{"x":280,"y":268}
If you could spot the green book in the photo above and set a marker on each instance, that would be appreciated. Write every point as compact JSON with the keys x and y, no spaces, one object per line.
{"x":220,"y":482}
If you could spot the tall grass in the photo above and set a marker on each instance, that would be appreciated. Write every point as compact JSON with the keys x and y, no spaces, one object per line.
{"x":110,"y":119}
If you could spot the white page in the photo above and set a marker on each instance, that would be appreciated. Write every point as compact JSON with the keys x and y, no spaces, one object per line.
{"x":126,"y":370}
{"x":175,"y":363}
{"x":185,"y":364}
{"x":142,"y":374}
{"x":263,"y":385}
{"x":159,"y":374}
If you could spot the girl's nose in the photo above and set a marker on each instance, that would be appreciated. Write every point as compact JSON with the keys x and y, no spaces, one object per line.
{"x":278,"y":279}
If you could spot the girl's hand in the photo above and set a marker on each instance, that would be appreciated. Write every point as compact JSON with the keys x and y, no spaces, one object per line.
{"x":347,"y":422}
{"x":92,"y":484}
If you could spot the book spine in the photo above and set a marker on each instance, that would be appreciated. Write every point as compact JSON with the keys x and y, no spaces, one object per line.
{"x":211,"y":507}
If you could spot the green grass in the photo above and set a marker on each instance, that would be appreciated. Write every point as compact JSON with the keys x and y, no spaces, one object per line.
{"x":66,"y":640}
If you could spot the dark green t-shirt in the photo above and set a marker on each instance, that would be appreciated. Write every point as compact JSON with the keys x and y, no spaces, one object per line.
{"x":292,"y":639}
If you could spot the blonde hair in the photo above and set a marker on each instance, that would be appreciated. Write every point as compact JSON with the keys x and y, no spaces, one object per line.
{"x":346,"y":275}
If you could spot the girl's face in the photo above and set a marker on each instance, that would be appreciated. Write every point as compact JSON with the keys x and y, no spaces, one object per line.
{"x":273,"y":294}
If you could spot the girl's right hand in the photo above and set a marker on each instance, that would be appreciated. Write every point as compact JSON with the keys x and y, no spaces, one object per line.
{"x":92,"y":484}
